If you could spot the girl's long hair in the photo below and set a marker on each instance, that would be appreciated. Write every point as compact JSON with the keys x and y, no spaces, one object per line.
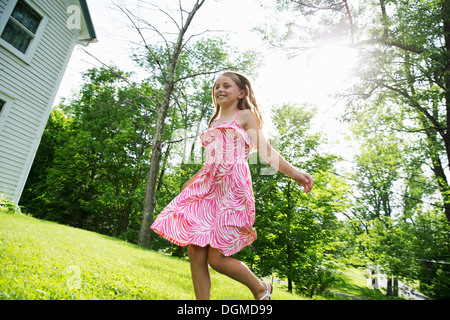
{"x":248,"y":102}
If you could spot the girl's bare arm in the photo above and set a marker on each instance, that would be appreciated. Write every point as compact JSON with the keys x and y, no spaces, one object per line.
{"x":251,"y":124}
{"x":190,"y":181}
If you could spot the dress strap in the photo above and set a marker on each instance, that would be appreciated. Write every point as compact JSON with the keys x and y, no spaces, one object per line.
{"x":237,"y":116}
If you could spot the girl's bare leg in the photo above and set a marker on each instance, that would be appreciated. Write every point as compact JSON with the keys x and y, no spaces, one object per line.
{"x":201,"y":279}
{"x":236,"y":270}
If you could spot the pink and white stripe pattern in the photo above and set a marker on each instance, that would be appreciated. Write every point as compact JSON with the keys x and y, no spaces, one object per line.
{"x":218,"y":208}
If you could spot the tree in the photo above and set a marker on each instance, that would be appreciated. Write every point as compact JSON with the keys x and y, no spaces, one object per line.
{"x":393,"y":193}
{"x":33,"y":196}
{"x":168,"y":72}
{"x":91,"y":165}
{"x":431,"y":242}
{"x":404,"y":50}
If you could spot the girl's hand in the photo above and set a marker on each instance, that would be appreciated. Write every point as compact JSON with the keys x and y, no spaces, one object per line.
{"x":304,"y":179}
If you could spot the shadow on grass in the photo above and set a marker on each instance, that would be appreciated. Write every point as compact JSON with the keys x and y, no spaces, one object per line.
{"x":356,"y":288}
{"x":352,"y":291}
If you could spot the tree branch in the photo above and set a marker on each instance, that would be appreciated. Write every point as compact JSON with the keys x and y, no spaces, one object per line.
{"x":112,"y":71}
{"x":400,"y":45}
{"x":417,"y":106}
{"x":318,"y":8}
{"x":350,"y":19}
{"x":204,"y":73}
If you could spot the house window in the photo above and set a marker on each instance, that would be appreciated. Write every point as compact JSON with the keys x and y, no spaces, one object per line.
{"x":21,"y":27}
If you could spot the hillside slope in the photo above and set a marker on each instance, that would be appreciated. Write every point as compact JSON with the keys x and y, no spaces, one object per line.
{"x":45,"y":260}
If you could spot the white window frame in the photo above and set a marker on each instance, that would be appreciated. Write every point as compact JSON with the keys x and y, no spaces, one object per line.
{"x":2,"y":104}
{"x":9,"y":101}
{"x":32,"y":47}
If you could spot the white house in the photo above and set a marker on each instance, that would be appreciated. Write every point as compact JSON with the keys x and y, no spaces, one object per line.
{"x":37,"y":38}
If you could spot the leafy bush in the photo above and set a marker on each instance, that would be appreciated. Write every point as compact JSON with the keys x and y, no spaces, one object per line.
{"x":130,"y":235}
{"x":7,"y":206}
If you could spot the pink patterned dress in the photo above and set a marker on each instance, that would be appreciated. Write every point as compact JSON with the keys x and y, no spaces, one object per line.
{"x":218,"y":208}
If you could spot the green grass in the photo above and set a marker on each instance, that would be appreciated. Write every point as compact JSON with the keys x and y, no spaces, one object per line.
{"x":45,"y":260}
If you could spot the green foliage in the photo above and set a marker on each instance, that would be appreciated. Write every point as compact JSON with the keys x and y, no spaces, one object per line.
{"x":410,"y":252}
{"x":33,"y":196}
{"x":432,"y":251}
{"x":92,"y":162}
{"x":403,"y":65}
{"x":399,"y":107}
{"x":392,"y":205}
{"x":6,"y":206}
{"x":91,"y":166}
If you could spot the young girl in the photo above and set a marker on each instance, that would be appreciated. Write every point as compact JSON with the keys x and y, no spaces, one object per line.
{"x":215,"y":211}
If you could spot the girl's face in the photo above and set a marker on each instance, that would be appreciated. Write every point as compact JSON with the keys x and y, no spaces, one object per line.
{"x":227,"y":92}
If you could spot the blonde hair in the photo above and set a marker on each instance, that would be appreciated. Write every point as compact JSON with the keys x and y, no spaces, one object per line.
{"x":248,"y":102}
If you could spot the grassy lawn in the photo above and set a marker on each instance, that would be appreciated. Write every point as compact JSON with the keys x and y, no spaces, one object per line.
{"x":45,"y":260}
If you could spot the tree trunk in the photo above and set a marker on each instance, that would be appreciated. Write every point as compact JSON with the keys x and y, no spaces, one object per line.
{"x":289,"y":254}
{"x":446,"y":26}
{"x":289,"y":285}
{"x":395,"y":289}
{"x":150,"y":193}
{"x":389,"y":287}
{"x":169,"y":85}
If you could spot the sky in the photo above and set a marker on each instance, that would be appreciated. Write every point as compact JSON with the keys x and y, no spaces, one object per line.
{"x":309,"y":78}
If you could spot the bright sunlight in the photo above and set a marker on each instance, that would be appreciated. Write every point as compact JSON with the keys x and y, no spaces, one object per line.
{"x":310,"y":77}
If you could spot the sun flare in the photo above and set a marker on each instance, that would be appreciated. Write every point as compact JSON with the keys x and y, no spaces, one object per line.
{"x":308,"y":78}
{"x":311,"y":79}
{"x":330,"y":67}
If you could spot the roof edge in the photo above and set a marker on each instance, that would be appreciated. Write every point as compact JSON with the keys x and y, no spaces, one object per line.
{"x":89,"y":25}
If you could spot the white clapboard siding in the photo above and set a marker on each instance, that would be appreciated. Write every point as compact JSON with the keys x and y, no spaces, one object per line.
{"x":30,"y":88}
